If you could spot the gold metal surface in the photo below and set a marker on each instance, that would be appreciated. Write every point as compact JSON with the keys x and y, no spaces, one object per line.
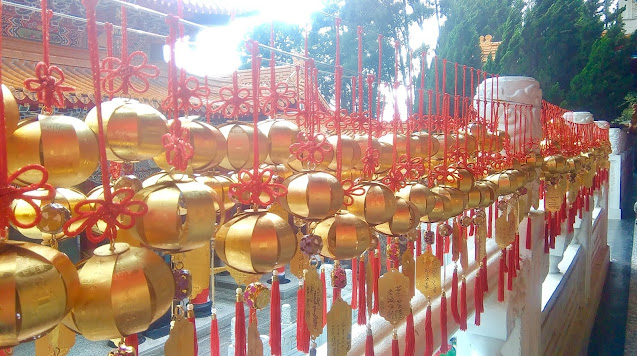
{"x":554,"y":164}
{"x":64,"y":145}
{"x":133,"y":130}
{"x":376,"y":205}
{"x":312,"y":195}
{"x":255,"y":242}
{"x":220,"y":184}
{"x":419,"y":195}
{"x":403,"y":221}
{"x":239,"y":138}
{"x":344,"y":236}
{"x":282,"y":134}
{"x":439,"y":211}
{"x":351,"y":153}
{"x":458,"y":200}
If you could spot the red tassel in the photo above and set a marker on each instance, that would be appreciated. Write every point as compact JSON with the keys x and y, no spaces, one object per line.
{"x":454,"y":297}
{"x":511,"y":270}
{"x":336,"y":294}
{"x":541,"y":192}
{"x":410,"y":338}
{"x":354,"y":283}
{"x":375,"y":283}
{"x":517,"y":255}
{"x":191,"y":319}
{"x":369,"y":343}
{"x":395,"y":351}
{"x":463,"y":305}
{"x":362,"y":296}
{"x":275,"y":317}
{"x":529,"y":237}
{"x":490,"y":223}
{"x":447,"y":240}
{"x":444,"y":346}
{"x":588,"y":202}
{"x":477,"y":295}
{"x":418,"y":246}
{"x":324,"y":297}
{"x":429,"y":335}
{"x":439,"y":247}
{"x":239,"y":328}
{"x":302,"y":333}
{"x":503,"y":257}
{"x":485,"y":281}
{"x":214,"y":338}
{"x":133,"y":341}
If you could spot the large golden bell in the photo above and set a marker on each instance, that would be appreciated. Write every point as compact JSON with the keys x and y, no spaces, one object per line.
{"x":458,"y":200}
{"x":440,"y":209}
{"x":344,"y":236}
{"x":376,"y":205}
{"x":133,"y":130}
{"x":427,"y":145}
{"x":209,"y":146}
{"x":38,"y":287}
{"x":554,"y":164}
{"x":384,"y":150}
{"x":464,"y":182}
{"x":452,"y":142}
{"x":489,"y":192}
{"x":312,"y":195}
{"x":180,"y":216}
{"x":419,"y":195}
{"x":574,"y":164}
{"x":11,"y":110}
{"x":220,"y":184}
{"x":415,"y":145}
{"x":64,"y":145}
{"x":239,"y":137}
{"x":519,"y":177}
{"x":404,"y":220}
{"x":351,"y":153}
{"x":386,"y":158}
{"x":474,"y":196}
{"x":505,"y":183}
{"x":24,"y":213}
{"x":282,"y":134}
{"x":122,"y":292}
{"x":255,"y":242}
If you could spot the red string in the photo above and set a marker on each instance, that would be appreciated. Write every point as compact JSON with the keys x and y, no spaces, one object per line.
{"x":454,"y":297}
{"x":275,"y":317}
{"x":214,"y":338}
{"x":362,"y":295}
{"x":463,"y":305}
{"x":369,"y":343}
{"x":395,"y":350}
{"x":429,"y":337}
{"x":354,"y":298}
{"x":477,"y":295}
{"x":501,"y":271}
{"x":410,"y":337}
{"x":444,"y":346}
{"x":239,"y":329}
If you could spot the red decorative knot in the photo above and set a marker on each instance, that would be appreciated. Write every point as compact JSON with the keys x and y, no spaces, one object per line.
{"x":330,"y":120}
{"x":178,"y":148}
{"x":48,"y":88}
{"x":116,"y":168}
{"x":311,"y":149}
{"x":371,"y":161}
{"x":261,"y":188}
{"x":445,"y":175}
{"x":234,"y":101}
{"x":11,"y":192}
{"x":358,"y":122}
{"x":351,"y":188}
{"x":276,"y":100}
{"x":395,"y":179}
{"x":133,"y":77}
{"x":114,"y":214}
{"x":413,"y":168}
{"x":187,"y":90}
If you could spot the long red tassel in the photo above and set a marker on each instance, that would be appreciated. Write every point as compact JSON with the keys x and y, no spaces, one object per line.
{"x":239,"y":328}
{"x":439,"y":247}
{"x":511,"y":270}
{"x":354,"y":283}
{"x":503,"y":257}
{"x":395,"y":350}
{"x":369,"y":343}
{"x":191,"y":319}
{"x":275,"y":317}
{"x":418,"y":245}
{"x":302,"y":333}
{"x":214,"y":337}
{"x":477,"y":295}
{"x":362,"y":295}
{"x":133,"y":341}
{"x":429,"y":335}
{"x":444,"y":346}
{"x":463,"y":305}
{"x":324,"y":296}
{"x":529,"y":237}
{"x":410,"y":338}
{"x":517,"y":255}
{"x":483,"y":273}
{"x":490,"y":224}
{"x":454,"y":297}
{"x":375,"y":283}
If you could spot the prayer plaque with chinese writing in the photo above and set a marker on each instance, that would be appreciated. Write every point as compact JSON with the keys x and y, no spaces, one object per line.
{"x":313,"y":302}
{"x":502,"y":231}
{"x":428,"y":274}
{"x":339,"y":328}
{"x":299,"y":262}
{"x":553,"y":198}
{"x":393,"y":296}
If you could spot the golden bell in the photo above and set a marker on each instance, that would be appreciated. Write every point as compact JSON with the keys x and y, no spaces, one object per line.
{"x":220,"y":184}
{"x":209,"y":146}
{"x":282,"y":134}
{"x":122,"y":291}
{"x":424,"y":141}
{"x":376,"y":205}
{"x":404,"y":221}
{"x":24,"y":213}
{"x":255,"y":242}
{"x":519,"y":177}
{"x":11,"y":110}
{"x":440,"y":209}
{"x":488,"y":191}
{"x":474,"y":197}
{"x":180,"y":216}
{"x":38,"y":287}
{"x":351,"y":153}
{"x":574,"y":164}
{"x":386,"y":158}
{"x":419,"y":195}
{"x":458,"y":200}
{"x":554,"y":164}
{"x":415,"y":145}
{"x":312,"y":195}
{"x":504,"y":182}
{"x":239,"y":137}
{"x":64,"y":145}
{"x":534,"y":159}
{"x":133,"y":131}
{"x":464,"y":182}
{"x":344,"y":236}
